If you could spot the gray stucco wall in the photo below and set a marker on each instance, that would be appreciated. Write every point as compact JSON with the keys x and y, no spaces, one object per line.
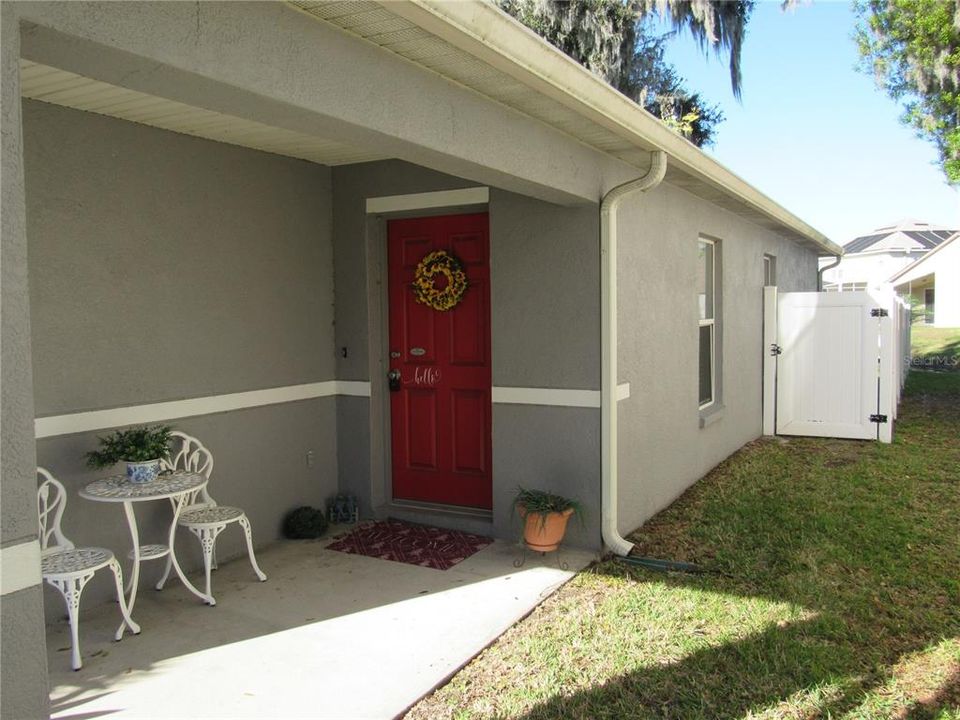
{"x":662,"y":448}
{"x":553,"y":448}
{"x":165,"y":267}
{"x":23,"y":689}
{"x":545,"y":280}
{"x":23,"y":665}
{"x":544,"y":269}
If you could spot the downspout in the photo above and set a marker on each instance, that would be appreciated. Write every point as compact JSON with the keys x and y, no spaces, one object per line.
{"x":608,"y":348}
{"x":824,"y":269}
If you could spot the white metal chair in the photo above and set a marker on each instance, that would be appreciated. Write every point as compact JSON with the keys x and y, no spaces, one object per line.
{"x":202,"y":516}
{"x":67,"y":567}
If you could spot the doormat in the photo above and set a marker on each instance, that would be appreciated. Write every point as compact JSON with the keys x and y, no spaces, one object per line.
{"x":421,"y":545}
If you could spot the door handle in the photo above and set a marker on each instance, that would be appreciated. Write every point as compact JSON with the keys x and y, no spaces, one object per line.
{"x":393,"y":379}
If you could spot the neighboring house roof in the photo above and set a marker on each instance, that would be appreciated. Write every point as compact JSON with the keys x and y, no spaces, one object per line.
{"x":904,"y":235}
{"x":929,"y":259}
{"x":478,"y":46}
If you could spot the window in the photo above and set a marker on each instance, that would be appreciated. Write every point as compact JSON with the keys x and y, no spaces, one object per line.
{"x":707,"y":290}
{"x":769,"y":270}
{"x":928,"y":301}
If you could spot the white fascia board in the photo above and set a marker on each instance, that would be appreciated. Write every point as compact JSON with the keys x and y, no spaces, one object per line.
{"x":492,"y":36}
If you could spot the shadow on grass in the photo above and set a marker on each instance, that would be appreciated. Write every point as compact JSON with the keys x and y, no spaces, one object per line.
{"x":862,"y":536}
{"x":825,"y":666}
{"x":710,"y":683}
{"x":947,"y":698}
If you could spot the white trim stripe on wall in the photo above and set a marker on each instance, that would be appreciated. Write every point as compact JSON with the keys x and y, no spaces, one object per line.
{"x":555,"y":397}
{"x":158,"y":412}
{"x":19,"y":567}
{"x":427,"y":200}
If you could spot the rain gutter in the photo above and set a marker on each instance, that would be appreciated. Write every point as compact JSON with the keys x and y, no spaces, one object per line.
{"x":608,"y":348}
{"x":820,"y":272}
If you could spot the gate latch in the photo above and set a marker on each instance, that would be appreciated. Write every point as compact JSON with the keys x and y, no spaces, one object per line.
{"x":878,"y":418}
{"x":878,"y":312}
{"x":775,"y":349}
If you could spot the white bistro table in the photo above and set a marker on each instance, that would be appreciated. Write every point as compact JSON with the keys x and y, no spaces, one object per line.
{"x":175,"y":487}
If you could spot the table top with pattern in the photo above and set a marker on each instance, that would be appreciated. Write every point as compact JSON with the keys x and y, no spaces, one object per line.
{"x":117,"y":488}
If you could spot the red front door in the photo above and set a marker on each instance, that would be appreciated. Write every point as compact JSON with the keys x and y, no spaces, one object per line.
{"x":440,"y":405}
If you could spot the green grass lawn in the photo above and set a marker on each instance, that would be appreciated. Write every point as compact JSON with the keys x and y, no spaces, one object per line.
{"x":935,"y":348}
{"x":834,"y":592}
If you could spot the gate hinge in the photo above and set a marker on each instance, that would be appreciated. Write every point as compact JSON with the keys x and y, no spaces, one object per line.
{"x":775,"y":349}
{"x":878,"y":418}
{"x":878,"y":312}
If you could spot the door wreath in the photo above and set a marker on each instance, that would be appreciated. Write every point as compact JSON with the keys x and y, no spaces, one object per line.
{"x":425,"y":289}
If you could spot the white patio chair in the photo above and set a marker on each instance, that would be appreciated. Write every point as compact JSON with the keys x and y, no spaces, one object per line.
{"x":67,"y":567}
{"x":202,"y":516}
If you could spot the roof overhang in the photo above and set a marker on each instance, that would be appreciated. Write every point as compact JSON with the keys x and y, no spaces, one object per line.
{"x":451,"y":37}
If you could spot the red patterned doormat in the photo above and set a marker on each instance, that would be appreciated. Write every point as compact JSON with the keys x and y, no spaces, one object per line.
{"x":421,"y":545}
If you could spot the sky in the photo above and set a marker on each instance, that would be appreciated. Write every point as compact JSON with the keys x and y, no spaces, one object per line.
{"x":814,"y":133}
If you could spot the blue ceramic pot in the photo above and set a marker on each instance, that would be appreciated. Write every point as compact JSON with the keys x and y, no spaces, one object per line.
{"x":142,"y":472}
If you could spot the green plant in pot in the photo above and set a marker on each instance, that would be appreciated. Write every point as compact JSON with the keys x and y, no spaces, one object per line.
{"x":545,"y":517}
{"x":141,"y":448}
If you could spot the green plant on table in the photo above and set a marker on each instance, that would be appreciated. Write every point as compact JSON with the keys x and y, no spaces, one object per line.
{"x":138,"y":444}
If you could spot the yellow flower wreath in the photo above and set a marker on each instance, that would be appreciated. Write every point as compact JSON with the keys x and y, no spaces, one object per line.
{"x":439,"y":262}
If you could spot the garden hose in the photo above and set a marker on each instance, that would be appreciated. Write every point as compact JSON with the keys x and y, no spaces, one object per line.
{"x":662,"y":565}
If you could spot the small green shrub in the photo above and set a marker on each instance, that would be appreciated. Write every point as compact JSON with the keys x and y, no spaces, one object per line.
{"x":137,"y":444}
{"x":304,"y":523}
{"x":540,"y":502}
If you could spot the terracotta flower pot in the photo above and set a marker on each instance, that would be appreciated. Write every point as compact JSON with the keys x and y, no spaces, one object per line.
{"x":544,"y":533}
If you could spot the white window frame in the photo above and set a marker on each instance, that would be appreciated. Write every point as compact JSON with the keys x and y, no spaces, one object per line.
{"x":712,"y":324}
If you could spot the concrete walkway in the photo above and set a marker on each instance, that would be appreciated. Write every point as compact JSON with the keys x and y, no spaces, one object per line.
{"x":329,"y":635}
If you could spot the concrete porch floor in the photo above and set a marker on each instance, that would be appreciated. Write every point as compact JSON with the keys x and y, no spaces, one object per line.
{"x":329,"y":635}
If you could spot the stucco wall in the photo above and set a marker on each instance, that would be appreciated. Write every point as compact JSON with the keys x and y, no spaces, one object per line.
{"x":544,"y":268}
{"x":165,"y":267}
{"x":23,"y":665}
{"x":662,"y":448}
{"x":23,"y":688}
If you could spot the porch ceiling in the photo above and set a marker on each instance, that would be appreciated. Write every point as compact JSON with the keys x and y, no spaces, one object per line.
{"x":382,"y":26}
{"x":60,"y":87}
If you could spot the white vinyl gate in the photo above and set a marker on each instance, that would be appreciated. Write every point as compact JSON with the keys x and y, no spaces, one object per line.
{"x":833,"y":363}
